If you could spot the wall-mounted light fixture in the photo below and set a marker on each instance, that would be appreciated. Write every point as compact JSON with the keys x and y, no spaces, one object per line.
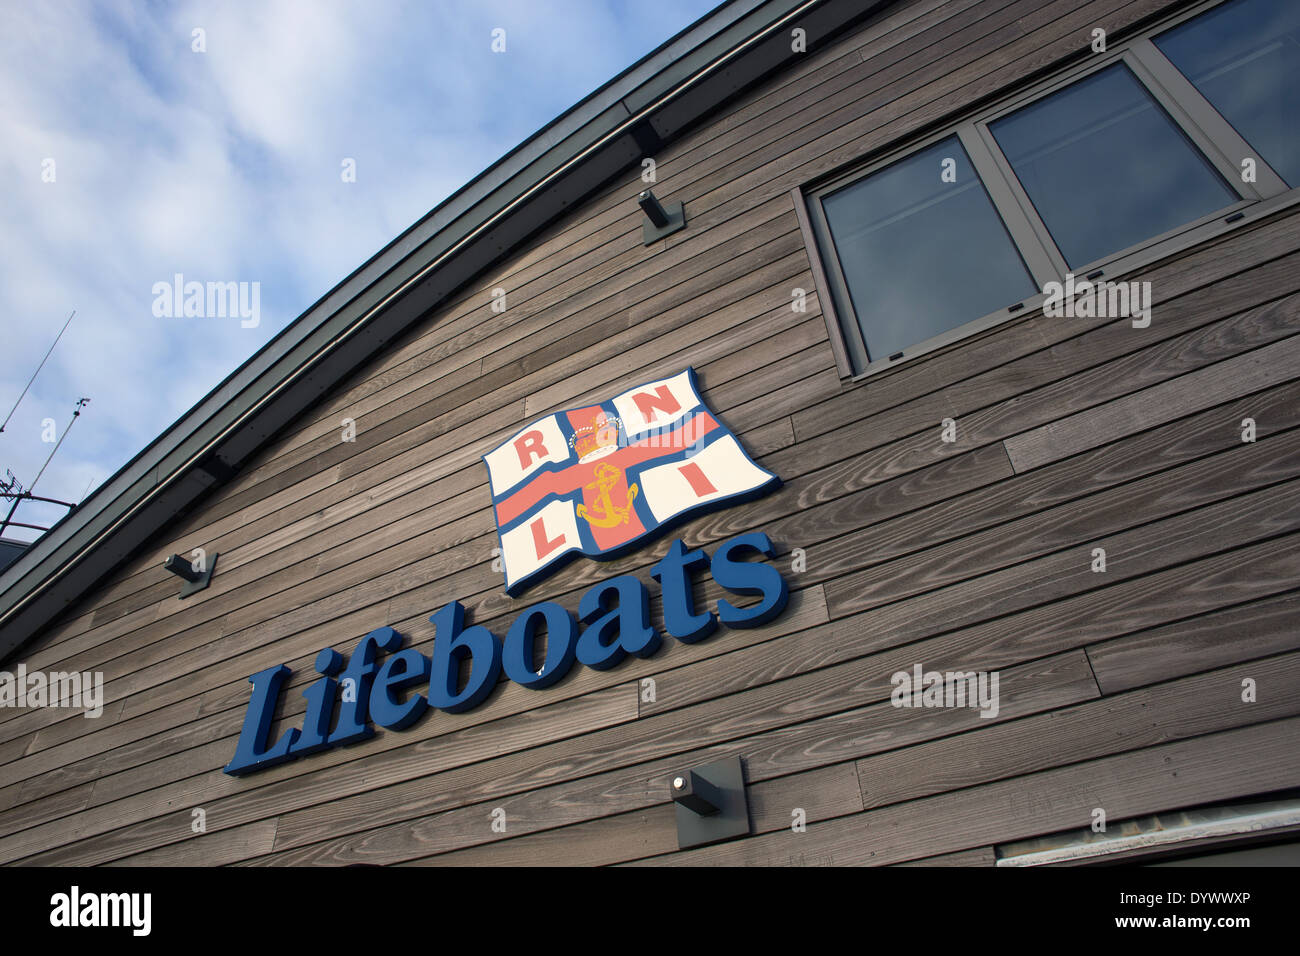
{"x":195,"y":580}
{"x":660,"y":220}
{"x":711,"y":803}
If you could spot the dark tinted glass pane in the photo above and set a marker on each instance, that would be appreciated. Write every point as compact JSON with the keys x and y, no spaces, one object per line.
{"x":922,"y":256}
{"x":1244,"y":57}
{"x":1106,"y":167}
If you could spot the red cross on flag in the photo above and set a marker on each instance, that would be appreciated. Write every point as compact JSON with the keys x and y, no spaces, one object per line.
{"x":597,"y":480}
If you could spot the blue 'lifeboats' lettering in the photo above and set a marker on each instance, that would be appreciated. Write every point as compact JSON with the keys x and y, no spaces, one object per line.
{"x":614,"y":617}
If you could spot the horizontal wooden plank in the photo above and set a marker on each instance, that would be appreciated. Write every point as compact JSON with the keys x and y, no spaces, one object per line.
{"x":1228,"y":765}
{"x":1193,"y":392}
{"x":1170,"y":711}
{"x":1242,"y":632}
{"x":1147,"y":548}
{"x":24,"y":810}
{"x":208,"y":849}
{"x":981,"y":856}
{"x":821,"y":794}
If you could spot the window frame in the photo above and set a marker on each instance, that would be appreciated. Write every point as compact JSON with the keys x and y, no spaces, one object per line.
{"x":1209,"y":133}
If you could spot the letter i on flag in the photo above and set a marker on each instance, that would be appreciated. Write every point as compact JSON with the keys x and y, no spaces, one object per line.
{"x":597,"y":480}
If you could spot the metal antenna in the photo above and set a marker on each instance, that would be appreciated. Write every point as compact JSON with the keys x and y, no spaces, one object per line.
{"x":75,"y":413}
{"x":37,"y":372}
{"x":81,"y":402}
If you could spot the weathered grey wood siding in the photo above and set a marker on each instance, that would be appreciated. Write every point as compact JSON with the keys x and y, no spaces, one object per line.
{"x":1119,"y":690}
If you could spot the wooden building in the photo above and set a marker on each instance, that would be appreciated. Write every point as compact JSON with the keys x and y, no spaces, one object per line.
{"x":1100,"y":506}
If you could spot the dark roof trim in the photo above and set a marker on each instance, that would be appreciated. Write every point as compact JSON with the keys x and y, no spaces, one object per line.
{"x":681,"y":82}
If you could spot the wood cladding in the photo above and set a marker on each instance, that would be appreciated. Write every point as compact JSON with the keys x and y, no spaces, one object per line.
{"x":1119,"y":689}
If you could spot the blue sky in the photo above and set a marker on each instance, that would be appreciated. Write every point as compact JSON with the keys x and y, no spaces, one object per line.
{"x":225,"y":165}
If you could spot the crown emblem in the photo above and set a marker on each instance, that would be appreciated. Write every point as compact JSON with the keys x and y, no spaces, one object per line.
{"x":597,"y":439}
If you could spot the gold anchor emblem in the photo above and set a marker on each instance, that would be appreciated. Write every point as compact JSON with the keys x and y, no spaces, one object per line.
{"x":607,"y":476}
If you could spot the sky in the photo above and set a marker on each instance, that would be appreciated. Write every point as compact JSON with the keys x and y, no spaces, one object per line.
{"x":275,"y":144}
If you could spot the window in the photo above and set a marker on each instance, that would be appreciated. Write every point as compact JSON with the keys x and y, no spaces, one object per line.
{"x":882,"y":221}
{"x":1105,"y":166}
{"x":1244,"y":57}
{"x":1149,"y":147}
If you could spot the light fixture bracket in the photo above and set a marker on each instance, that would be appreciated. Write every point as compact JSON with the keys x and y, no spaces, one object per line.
{"x":660,"y":220}
{"x":711,"y":803}
{"x":194,"y":580}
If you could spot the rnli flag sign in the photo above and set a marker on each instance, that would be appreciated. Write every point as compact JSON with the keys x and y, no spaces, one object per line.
{"x":597,"y":480}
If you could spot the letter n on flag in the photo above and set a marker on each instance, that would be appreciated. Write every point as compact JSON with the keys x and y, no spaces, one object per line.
{"x":597,"y":480}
